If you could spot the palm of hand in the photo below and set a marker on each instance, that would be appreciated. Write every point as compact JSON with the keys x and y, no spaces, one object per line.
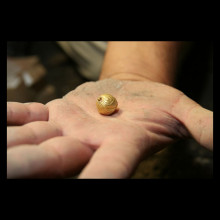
{"x":142,"y":125}
{"x":114,"y":144}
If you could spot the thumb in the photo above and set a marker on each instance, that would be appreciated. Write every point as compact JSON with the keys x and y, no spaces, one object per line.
{"x":198,"y":120}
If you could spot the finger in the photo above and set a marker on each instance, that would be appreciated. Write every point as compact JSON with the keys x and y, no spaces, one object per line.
{"x":198,"y":120}
{"x":31,"y":133}
{"x":114,"y":159}
{"x":55,"y":158}
{"x":19,"y":113}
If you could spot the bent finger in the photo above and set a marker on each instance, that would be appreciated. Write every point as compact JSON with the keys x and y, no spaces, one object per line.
{"x":31,"y":133}
{"x":19,"y":113}
{"x":55,"y":158}
{"x":114,"y":159}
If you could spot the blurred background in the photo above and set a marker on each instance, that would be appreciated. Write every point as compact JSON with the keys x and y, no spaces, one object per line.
{"x":40,"y":71}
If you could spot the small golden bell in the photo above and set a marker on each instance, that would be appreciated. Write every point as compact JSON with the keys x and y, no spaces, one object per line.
{"x":106,"y":104}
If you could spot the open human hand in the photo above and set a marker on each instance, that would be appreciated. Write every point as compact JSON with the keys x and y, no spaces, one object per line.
{"x":68,"y":136}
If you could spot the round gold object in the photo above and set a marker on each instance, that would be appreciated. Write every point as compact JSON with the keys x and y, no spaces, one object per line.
{"x":106,"y":104}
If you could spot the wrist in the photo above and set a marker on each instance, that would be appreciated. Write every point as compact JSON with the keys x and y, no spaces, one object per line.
{"x":134,"y":77}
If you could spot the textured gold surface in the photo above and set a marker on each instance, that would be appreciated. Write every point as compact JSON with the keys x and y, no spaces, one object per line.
{"x":106,"y":104}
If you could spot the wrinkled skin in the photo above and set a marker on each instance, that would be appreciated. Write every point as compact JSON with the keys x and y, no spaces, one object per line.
{"x":71,"y":137}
